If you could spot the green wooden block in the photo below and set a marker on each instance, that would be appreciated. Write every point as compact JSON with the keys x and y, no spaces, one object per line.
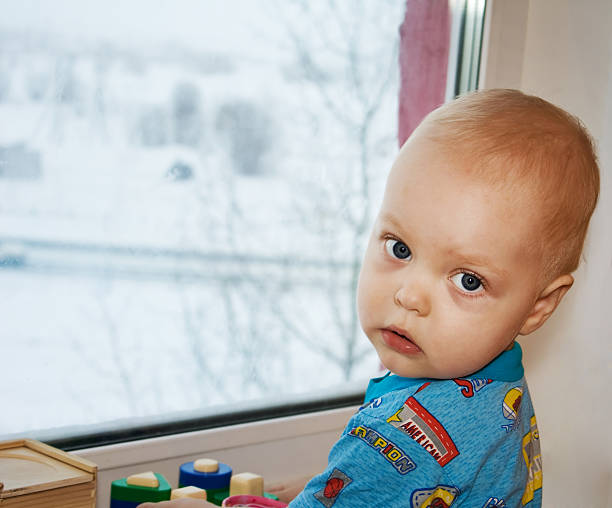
{"x":121,"y":491}
{"x":217,"y":496}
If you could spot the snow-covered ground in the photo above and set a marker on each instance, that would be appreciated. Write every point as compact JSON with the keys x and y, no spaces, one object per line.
{"x":183,"y":193}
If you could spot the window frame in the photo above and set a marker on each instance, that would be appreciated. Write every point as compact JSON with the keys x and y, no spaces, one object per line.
{"x":135,"y":429}
{"x":464,"y":59}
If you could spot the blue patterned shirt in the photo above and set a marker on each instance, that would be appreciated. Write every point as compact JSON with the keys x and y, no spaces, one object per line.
{"x":428,"y":443}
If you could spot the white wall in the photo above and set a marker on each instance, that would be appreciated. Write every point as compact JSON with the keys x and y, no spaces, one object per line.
{"x":561,"y":50}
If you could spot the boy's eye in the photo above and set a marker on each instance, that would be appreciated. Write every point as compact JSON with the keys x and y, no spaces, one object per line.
{"x":397,"y":249}
{"x":467,"y":282}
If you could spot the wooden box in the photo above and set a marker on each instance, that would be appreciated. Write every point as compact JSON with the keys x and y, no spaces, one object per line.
{"x":36,"y":475}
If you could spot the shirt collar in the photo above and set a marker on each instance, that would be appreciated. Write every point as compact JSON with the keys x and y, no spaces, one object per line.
{"x":506,"y":367}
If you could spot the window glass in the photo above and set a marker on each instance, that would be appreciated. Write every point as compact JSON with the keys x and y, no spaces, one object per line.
{"x":186,"y":189}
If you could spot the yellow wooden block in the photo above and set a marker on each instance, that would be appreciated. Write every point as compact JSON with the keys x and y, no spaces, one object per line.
{"x":192,"y":492}
{"x":246,"y":484}
{"x":206,"y":465}
{"x":147,"y":479}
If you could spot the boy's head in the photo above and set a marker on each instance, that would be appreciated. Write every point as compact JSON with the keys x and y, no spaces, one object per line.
{"x":483,"y":221}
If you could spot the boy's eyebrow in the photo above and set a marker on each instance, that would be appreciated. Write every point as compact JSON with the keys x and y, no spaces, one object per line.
{"x":389,"y":218}
{"x":470,"y":259}
{"x":477,"y":262}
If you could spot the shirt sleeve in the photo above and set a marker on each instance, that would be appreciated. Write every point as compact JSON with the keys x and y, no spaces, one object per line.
{"x":374,"y":464}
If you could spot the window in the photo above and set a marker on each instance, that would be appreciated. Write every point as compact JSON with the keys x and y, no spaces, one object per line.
{"x":186,"y":189}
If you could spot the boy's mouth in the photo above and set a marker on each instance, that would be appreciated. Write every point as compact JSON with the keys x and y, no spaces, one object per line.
{"x":398,"y":340}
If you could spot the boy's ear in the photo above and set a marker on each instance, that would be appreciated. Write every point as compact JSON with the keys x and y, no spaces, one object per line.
{"x":546,"y":303}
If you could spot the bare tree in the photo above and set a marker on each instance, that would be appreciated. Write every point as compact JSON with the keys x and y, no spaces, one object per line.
{"x":346,"y":59}
{"x":349,"y":75}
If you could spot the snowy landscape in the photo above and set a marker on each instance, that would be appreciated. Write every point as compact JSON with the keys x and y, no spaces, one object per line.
{"x":186,"y":191}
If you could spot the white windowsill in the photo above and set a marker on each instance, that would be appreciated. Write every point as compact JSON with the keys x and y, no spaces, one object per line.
{"x":277,"y":449}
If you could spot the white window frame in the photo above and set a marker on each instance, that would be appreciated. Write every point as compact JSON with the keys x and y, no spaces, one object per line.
{"x":286,"y":447}
{"x":289,"y":446}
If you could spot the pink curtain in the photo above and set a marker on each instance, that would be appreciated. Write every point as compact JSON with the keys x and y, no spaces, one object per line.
{"x":423,"y":60}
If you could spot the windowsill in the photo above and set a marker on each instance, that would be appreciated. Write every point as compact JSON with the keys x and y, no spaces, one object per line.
{"x":277,"y":449}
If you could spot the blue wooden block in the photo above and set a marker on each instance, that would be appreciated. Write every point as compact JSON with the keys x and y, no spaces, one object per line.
{"x":208,"y":481}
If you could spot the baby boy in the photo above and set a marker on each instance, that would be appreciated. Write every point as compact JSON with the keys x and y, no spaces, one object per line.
{"x":482,"y":224}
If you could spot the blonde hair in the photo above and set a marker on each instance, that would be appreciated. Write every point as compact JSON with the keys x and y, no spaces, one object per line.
{"x":523,"y":140}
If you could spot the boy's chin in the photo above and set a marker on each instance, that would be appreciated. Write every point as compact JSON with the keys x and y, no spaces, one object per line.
{"x":404,"y":367}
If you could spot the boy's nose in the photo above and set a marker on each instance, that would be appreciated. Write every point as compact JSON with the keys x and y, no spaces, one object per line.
{"x":413,"y":298}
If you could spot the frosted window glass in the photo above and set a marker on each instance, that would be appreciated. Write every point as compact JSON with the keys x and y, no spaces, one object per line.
{"x":186,"y":190}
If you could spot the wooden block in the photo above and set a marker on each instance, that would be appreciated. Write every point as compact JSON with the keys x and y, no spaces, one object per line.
{"x":61,"y":455}
{"x":37,"y":475}
{"x":73,"y":496}
{"x":246,"y":484}
{"x":147,"y":479}
{"x":192,"y":492}
{"x":122,"y":491}
{"x":206,"y":465}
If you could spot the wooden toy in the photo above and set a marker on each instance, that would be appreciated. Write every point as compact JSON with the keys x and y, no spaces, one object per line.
{"x":192,"y":492}
{"x":206,"y":465}
{"x":246,"y":484}
{"x":201,"y":479}
{"x":139,"y":488}
{"x":216,"y":478}
{"x":207,"y":474}
{"x":147,"y":479}
{"x":34,"y":474}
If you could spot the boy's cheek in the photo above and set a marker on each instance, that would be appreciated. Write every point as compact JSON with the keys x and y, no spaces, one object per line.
{"x":368,"y":301}
{"x":364,"y":291}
